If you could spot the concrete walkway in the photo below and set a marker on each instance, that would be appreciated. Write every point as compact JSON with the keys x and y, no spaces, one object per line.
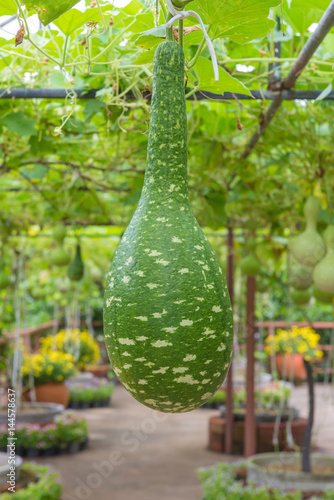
{"x":138,"y":454}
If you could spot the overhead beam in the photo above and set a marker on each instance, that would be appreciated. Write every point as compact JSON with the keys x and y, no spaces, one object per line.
{"x":286,"y":95}
{"x":324,"y":26}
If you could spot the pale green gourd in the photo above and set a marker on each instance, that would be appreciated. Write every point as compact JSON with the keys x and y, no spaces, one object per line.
{"x":301,"y":297}
{"x":250,"y":266}
{"x":309,"y":248}
{"x":59,"y":256}
{"x":262,"y":284}
{"x":323,"y":297}
{"x":323,"y":273}
{"x":301,"y":276}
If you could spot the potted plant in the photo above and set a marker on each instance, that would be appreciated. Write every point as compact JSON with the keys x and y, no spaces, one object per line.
{"x":72,"y":431}
{"x":290,"y":348}
{"x":283,"y":469}
{"x":49,"y":370}
{"x":81,"y":345}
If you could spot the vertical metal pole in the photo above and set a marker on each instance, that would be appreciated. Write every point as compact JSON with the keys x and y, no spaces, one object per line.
{"x":250,"y":423}
{"x":229,"y":380}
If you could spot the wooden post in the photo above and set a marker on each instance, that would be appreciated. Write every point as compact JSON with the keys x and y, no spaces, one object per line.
{"x":229,"y":380}
{"x":250,"y":423}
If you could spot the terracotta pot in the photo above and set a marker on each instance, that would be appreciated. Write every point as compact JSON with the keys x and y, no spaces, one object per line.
{"x":291,"y":363}
{"x":53,"y":393}
{"x":98,"y":370}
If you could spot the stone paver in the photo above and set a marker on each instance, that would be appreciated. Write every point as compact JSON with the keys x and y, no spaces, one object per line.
{"x":136,"y":453}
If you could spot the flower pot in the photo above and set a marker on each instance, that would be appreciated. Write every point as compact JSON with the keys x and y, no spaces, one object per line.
{"x":49,"y":452}
{"x":31,"y":452}
{"x":287,"y":364}
{"x":53,"y":393}
{"x":282,"y":471}
{"x":74,"y":448}
{"x":85,"y":405}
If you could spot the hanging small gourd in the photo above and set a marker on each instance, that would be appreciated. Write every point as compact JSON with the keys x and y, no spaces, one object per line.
{"x":301,"y":276}
{"x":262,"y":284}
{"x":4,"y":280}
{"x":250,"y":265}
{"x":76,"y":269}
{"x":309,"y":248}
{"x":59,"y":256}
{"x":323,"y":274}
{"x":301,"y":297}
{"x":323,"y":297}
{"x":167,"y":316}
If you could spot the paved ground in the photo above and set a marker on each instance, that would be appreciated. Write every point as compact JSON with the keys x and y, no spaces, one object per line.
{"x":138,"y":454}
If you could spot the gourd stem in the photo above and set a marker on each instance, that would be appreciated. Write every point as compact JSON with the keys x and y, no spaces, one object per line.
{"x":169,"y":31}
{"x":181,"y":23}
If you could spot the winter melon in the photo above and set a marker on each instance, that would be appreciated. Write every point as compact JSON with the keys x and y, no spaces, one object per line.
{"x":167,"y":316}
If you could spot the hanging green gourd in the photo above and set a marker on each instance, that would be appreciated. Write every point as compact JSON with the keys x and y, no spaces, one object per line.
{"x":76,"y":269}
{"x":301,"y":297}
{"x":309,"y":248}
{"x":4,"y":280}
{"x":167,"y":315}
{"x":323,"y":297}
{"x":59,"y":256}
{"x":323,"y":274}
{"x":301,"y":276}
{"x":262,"y":284}
{"x":250,"y":265}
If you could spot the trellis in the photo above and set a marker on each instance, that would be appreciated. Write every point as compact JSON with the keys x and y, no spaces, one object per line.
{"x":283,"y":91}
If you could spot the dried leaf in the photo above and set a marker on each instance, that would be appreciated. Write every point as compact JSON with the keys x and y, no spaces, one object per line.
{"x":93,"y":4}
{"x":19,"y":36}
{"x":239,"y":124}
{"x":186,"y":31}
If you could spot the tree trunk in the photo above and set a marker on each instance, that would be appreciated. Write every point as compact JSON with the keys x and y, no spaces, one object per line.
{"x":306,"y":448}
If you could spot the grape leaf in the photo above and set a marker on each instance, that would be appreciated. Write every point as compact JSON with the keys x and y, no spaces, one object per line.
{"x":8,"y":9}
{"x":49,"y":10}
{"x":226,"y":82}
{"x":74,"y":19}
{"x":238,"y":20}
{"x":18,"y":123}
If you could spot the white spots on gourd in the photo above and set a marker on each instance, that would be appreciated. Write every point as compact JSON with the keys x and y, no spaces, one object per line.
{"x":151,"y":402}
{"x":141,"y":318}
{"x":206,"y":381}
{"x":206,"y":268}
{"x":176,"y":240}
{"x":154,"y":253}
{"x":226,"y":365}
{"x":186,"y":322}
{"x":151,"y":286}
{"x":221,"y":348}
{"x":202,"y":373}
{"x":140,"y":273}
{"x":208,"y":332}
{"x":140,"y":360}
{"x":162,"y":370}
{"x":142,"y":382}
{"x":171,"y":188}
{"x":200,"y":299}
{"x":128,"y":262}
{"x":161,"y":343}
{"x":199,"y":247}
{"x":218,"y":374}
{"x":208,"y":361}
{"x":187,"y":379}
{"x":170,"y":329}
{"x":207,"y":395}
{"x":126,"y":279}
{"x":180,"y":369}
{"x":182,"y":209}
{"x":161,"y":219}
{"x":211,"y":287}
{"x":179,"y":301}
{"x":185,"y":270}
{"x":125,"y":353}
{"x":217,"y":309}
{"x":127,"y":366}
{"x":200,"y":262}
{"x":142,"y":338}
{"x":161,"y":261}
{"x":126,"y":341}
{"x":149,"y":364}
{"x":190,"y":357}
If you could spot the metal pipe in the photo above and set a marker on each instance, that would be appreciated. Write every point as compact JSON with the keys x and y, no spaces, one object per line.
{"x":286,"y":95}
{"x":324,"y":26}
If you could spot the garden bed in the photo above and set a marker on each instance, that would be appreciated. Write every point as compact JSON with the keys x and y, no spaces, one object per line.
{"x":68,"y":434}
{"x":93,"y":393}
{"x":37,"y":482}
{"x":224,"y":481}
